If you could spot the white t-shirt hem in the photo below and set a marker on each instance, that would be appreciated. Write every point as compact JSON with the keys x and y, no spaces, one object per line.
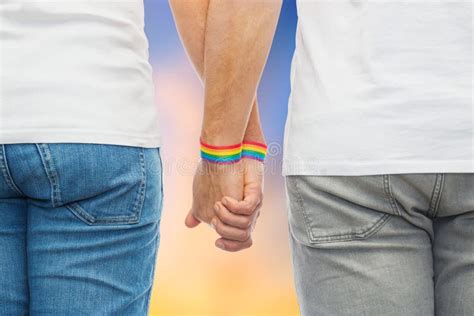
{"x":79,"y":136}
{"x":351,"y":168}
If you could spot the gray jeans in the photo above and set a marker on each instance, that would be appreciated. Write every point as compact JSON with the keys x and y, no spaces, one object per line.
{"x":384,"y":244}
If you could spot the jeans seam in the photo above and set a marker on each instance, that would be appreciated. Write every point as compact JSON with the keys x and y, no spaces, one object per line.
{"x":157,"y":238}
{"x":162,"y":183}
{"x":155,"y":258}
{"x":6,"y":172}
{"x":51,"y":173}
{"x":142,"y":188}
{"x":76,"y":209}
{"x":299,"y":198}
{"x":436,"y":195}
{"x":390,"y":196}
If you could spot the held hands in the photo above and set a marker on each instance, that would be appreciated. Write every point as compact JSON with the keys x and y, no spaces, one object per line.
{"x":211,"y":183}
{"x":228,"y":197}
{"x":235,"y":220}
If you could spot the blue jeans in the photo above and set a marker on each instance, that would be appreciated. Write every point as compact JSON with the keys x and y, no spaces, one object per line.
{"x":79,"y":228}
{"x":383,"y":245}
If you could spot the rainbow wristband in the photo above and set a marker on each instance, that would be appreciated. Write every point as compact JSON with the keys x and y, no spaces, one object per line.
{"x":254,"y":150}
{"x":221,"y":154}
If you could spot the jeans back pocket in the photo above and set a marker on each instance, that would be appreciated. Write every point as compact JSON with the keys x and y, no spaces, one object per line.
{"x":100,"y":184}
{"x":336,"y":208}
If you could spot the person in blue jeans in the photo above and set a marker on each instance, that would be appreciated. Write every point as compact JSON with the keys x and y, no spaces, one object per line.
{"x":80,"y":228}
{"x":81,"y":188}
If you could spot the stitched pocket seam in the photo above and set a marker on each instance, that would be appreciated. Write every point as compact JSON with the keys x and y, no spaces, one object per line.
{"x":302,"y":208}
{"x":89,"y":219}
{"x":364,"y":233}
{"x":142,"y":188}
{"x":161,"y":182}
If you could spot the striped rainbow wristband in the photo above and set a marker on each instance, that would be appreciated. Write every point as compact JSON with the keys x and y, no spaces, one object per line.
{"x":254,"y":150}
{"x":221,"y":154}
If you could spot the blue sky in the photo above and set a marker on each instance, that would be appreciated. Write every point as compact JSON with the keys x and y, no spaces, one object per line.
{"x":165,"y":48}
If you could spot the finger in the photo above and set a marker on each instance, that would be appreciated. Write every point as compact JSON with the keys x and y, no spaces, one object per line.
{"x":230,"y":232}
{"x":254,"y":223}
{"x":245,"y":207}
{"x":191,"y":221}
{"x":254,"y":198}
{"x":232,"y":245}
{"x":231,"y":219}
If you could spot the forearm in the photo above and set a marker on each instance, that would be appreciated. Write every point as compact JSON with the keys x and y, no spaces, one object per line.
{"x":237,"y":41}
{"x":230,"y":70}
{"x":191,"y":19}
{"x":254,"y":131}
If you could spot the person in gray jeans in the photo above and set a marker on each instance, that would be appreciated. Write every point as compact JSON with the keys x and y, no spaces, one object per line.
{"x":383,"y":244}
{"x":379,"y":156}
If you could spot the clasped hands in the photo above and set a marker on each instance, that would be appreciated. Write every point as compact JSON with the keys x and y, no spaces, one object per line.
{"x":228,"y":198}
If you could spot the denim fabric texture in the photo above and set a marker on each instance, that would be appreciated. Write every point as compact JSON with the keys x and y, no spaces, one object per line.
{"x":79,"y":232}
{"x":383,"y":245}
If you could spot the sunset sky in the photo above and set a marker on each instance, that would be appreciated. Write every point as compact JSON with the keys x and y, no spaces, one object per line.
{"x":192,"y":276}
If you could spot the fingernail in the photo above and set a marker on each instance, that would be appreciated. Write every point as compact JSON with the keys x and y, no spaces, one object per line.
{"x":214,"y":223}
{"x":216,"y":208}
{"x":225,"y":201}
{"x":220,"y":245}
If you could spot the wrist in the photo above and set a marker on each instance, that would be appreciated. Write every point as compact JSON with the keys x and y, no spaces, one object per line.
{"x":218,"y":169}
{"x":220,"y":137}
{"x":255,"y":150}
{"x":221,"y":154}
{"x":231,"y":154}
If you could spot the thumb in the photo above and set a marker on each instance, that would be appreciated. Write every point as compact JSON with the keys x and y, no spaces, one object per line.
{"x":191,"y":221}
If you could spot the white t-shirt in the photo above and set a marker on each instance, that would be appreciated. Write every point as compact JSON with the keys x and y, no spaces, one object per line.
{"x":76,"y":71}
{"x":381,"y":87}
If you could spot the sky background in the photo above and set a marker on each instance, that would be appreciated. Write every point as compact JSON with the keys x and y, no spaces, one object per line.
{"x":192,"y":276}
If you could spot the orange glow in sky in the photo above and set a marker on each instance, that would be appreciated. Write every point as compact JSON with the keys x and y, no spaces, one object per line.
{"x":192,"y":276}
